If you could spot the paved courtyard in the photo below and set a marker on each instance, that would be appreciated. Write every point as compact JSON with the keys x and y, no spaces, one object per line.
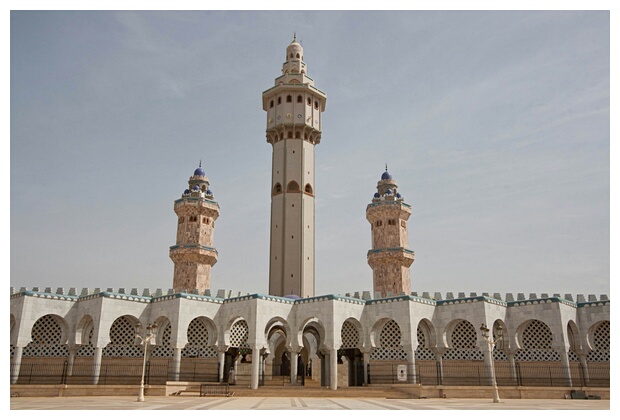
{"x":288,"y":403}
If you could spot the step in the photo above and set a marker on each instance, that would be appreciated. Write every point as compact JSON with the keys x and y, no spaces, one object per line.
{"x":310,"y":392}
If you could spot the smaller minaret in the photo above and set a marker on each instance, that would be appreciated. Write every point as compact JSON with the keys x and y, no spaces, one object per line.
{"x":389,"y":257}
{"x":194,"y":255}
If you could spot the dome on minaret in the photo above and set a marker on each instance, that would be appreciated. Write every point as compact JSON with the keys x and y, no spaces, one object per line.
{"x":294,"y":50}
{"x":199,"y":172}
{"x":386,"y":176}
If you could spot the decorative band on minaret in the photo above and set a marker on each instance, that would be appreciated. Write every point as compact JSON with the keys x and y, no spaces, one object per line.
{"x":294,"y":108}
{"x":194,"y":255}
{"x":389,"y":257}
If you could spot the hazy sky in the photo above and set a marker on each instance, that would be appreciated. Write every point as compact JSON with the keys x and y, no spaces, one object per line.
{"x":496,"y":126}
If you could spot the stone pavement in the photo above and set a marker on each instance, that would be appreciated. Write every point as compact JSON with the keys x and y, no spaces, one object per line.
{"x":289,"y":403}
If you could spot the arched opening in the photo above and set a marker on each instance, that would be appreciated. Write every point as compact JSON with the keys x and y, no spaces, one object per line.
{"x":308,"y":189}
{"x":199,"y":356}
{"x":349,"y":351}
{"x":277,"y":189}
{"x":238,"y":358}
{"x":292,"y":186}
{"x":388,"y":352}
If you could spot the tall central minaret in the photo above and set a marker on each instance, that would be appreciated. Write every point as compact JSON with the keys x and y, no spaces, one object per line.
{"x":294,"y":109}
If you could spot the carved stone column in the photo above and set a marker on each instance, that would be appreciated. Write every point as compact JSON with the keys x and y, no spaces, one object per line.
{"x":221,"y":356}
{"x":97,"y":364}
{"x":16,"y":363}
{"x":176,"y":363}
{"x":256,"y":363}
{"x":333,"y":369}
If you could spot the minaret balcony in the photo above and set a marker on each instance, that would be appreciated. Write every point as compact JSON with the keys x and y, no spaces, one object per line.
{"x":400,"y":255}
{"x":193,"y":253}
{"x":196,"y":202}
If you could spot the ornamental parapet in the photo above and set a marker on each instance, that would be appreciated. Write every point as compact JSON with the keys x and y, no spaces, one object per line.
{"x":388,"y":202}
{"x":397,"y":249}
{"x":361,"y":298}
{"x":195,"y":201}
{"x":192,"y":246}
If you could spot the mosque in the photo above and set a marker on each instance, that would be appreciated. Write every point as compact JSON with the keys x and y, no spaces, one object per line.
{"x":392,"y":335}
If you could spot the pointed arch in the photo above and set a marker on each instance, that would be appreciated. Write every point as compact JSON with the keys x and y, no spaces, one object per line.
{"x":292,"y":186}
{"x":49,"y":338}
{"x":350,"y":334}
{"x":426,"y":340}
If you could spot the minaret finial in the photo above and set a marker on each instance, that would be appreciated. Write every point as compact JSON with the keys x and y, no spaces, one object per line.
{"x":200,"y":163}
{"x":294,"y":36}
{"x":386,"y":167}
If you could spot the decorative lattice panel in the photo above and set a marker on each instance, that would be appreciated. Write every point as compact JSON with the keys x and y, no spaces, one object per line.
{"x":164,"y":349}
{"x":122,"y":338}
{"x":600,"y":342}
{"x":536,"y":341}
{"x":46,"y":339}
{"x":499,"y":355}
{"x":350,"y":336}
{"x":389,"y":344}
{"x":197,"y":340}
{"x":88,"y":350}
{"x":464,"y":343}
{"x":239,"y":335}
{"x":423,"y":352}
{"x":572,"y":356}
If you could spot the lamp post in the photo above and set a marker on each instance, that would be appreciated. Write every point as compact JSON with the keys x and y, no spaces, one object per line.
{"x":151,"y":332}
{"x":500,"y":339}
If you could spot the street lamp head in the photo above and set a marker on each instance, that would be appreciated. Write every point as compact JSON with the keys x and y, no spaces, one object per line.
{"x":500,"y":331}
{"x":138,"y":328}
{"x":484,"y":330}
{"x":154,"y":327}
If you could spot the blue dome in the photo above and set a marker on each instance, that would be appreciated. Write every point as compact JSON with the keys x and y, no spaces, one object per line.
{"x":398,"y":195}
{"x":186,"y":192}
{"x":209,"y":192}
{"x":377,"y":195}
{"x":294,"y":297}
{"x":389,"y":192}
{"x":386,"y":176}
{"x":199,"y":172}
{"x":196,"y":188}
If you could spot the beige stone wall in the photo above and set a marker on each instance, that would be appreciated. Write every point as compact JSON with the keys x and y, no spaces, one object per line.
{"x":192,"y":266}
{"x":189,"y":276}
{"x":388,"y":223}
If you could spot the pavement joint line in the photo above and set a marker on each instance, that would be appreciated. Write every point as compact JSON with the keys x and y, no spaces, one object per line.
{"x":338,"y":404}
{"x":210,"y":405}
{"x":255,"y":406}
